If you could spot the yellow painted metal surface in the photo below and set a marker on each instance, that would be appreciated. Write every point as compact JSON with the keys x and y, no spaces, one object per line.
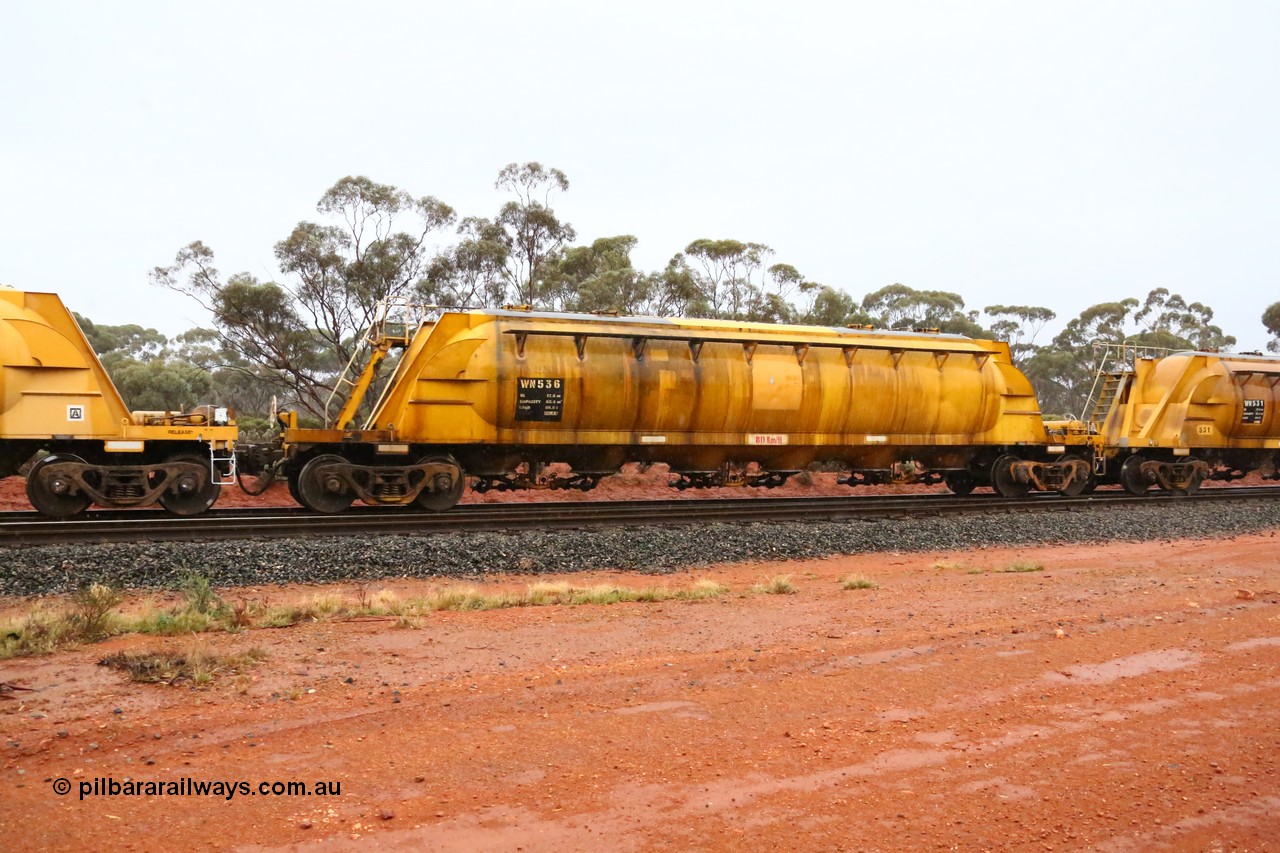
{"x":52,"y":384}
{"x":51,"y":381}
{"x":1206,"y":400}
{"x":516,"y":378}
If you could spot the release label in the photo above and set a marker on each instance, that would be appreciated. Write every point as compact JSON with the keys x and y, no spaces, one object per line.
{"x":1253,"y":411}
{"x":539,"y":399}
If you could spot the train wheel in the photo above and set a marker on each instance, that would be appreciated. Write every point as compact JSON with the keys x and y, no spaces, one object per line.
{"x":448,"y":490}
{"x":292,"y":482}
{"x":322,"y":492}
{"x":1131,"y":476}
{"x":1076,"y":489}
{"x":50,"y":490}
{"x":193,"y":489}
{"x":1193,"y":485}
{"x":1002,"y":478}
{"x":1079,"y":487}
{"x":960,"y":482}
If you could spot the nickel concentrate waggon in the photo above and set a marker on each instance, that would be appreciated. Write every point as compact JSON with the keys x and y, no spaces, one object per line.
{"x":1172,"y":421}
{"x":496,"y":395}
{"x":64,"y":425}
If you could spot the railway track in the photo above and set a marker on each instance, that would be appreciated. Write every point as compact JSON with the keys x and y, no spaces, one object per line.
{"x":21,"y":528}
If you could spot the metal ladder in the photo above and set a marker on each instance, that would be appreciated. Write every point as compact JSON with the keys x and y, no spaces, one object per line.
{"x":222,"y":469}
{"x":1116,"y":368}
{"x":393,"y":327}
{"x":1113,"y":385}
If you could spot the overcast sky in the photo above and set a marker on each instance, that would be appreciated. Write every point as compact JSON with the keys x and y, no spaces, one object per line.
{"x":1056,"y":154}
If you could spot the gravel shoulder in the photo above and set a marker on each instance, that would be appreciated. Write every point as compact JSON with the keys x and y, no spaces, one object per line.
{"x":52,"y":569}
{"x":1123,"y":697}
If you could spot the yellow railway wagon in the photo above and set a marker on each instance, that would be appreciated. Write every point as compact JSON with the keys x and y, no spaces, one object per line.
{"x":497,"y":394}
{"x":1175,"y":421}
{"x":64,"y":424}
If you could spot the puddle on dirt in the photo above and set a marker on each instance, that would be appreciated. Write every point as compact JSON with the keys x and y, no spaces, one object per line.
{"x":873,"y":658}
{"x":1163,"y":660}
{"x":1255,"y":643}
{"x":678,"y":709}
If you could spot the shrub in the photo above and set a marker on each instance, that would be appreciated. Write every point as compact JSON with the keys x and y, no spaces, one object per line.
{"x":199,"y":595}
{"x":94,"y":603}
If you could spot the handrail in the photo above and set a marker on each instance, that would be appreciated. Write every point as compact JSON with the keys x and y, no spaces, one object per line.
{"x":1118,"y":359}
{"x":393,"y":325}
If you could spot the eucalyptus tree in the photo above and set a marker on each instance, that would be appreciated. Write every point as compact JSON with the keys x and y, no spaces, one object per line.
{"x":677,"y":291}
{"x":302,"y":331}
{"x":786,"y":296}
{"x":1063,"y":372}
{"x":162,"y":384}
{"x":1271,"y":321}
{"x":473,"y":272}
{"x":897,"y":306}
{"x":1019,"y":325}
{"x":832,"y":307}
{"x":599,"y":277}
{"x":1166,"y":320}
{"x":531,"y":231}
{"x":117,"y":343}
{"x":151,"y":372}
{"x":724,"y":276}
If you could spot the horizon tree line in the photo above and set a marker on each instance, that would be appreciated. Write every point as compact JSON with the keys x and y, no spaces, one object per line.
{"x":292,"y":338}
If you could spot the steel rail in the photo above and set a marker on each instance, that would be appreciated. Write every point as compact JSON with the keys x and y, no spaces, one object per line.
{"x":18,"y":528}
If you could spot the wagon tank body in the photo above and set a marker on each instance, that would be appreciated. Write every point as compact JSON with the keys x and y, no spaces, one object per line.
{"x":1178,"y":420}
{"x":64,"y":423}
{"x":488,"y":391}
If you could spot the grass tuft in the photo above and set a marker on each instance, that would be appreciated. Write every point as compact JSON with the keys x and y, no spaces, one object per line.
{"x":776,"y":585}
{"x":857,"y":582}
{"x":1022,"y":567}
{"x":202,"y":611}
{"x":197,"y":665}
{"x":37,"y":633}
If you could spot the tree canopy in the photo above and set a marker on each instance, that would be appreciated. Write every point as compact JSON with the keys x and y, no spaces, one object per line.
{"x":297,"y":335}
{"x":292,"y":338}
{"x":1271,"y":322}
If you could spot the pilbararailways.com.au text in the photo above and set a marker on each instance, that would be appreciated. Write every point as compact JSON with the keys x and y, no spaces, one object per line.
{"x":107,"y":786}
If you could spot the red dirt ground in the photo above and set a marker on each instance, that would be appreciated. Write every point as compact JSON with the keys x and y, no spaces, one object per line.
{"x":1123,"y":699}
